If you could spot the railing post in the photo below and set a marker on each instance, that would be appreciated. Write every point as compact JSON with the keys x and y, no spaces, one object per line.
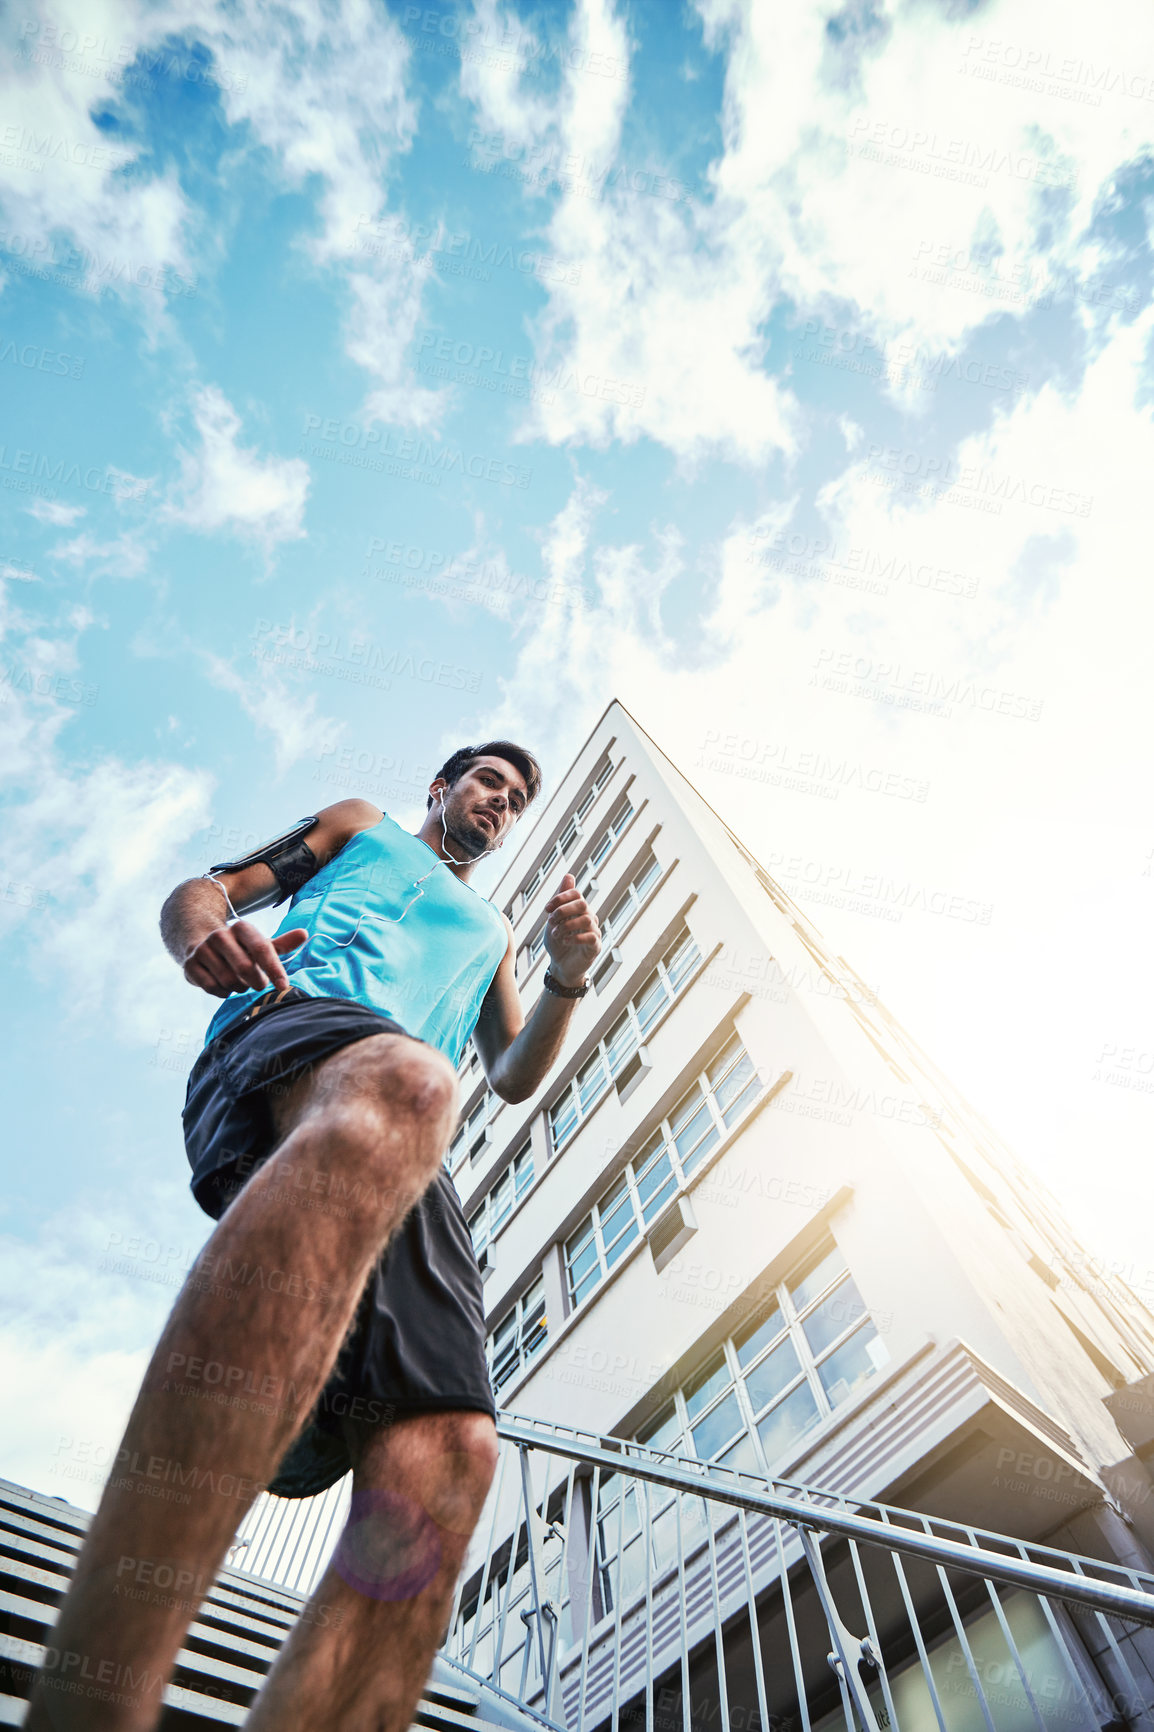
{"x":542,"y":1608}
{"x":848,"y":1648}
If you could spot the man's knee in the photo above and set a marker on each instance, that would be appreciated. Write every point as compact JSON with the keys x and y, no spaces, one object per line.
{"x":445,"y":1461}
{"x":398,"y":1077}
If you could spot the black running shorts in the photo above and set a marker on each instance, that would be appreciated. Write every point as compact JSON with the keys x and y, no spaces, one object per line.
{"x":417,"y":1342}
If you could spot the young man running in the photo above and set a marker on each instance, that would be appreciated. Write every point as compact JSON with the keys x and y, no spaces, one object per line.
{"x":316,"y":1123}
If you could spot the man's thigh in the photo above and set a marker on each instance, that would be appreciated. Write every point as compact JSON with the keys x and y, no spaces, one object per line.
{"x":344,"y":1075}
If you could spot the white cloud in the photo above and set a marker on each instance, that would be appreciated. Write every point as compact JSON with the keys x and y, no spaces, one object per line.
{"x":278,"y":708}
{"x":122,"y":556}
{"x":322,"y":89}
{"x":890,"y":174}
{"x":112,"y":832}
{"x":225,"y":485}
{"x":316,"y":89}
{"x":955,"y":139}
{"x":821,"y":658}
{"x":53,"y":511}
{"x":68,"y":204}
{"x":652,"y":320}
{"x":84,"y":1302}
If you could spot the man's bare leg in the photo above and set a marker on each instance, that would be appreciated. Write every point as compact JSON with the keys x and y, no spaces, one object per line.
{"x":370,"y":1125}
{"x":359,"y":1657}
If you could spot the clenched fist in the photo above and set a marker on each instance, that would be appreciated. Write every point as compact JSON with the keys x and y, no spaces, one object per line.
{"x":572,"y":933}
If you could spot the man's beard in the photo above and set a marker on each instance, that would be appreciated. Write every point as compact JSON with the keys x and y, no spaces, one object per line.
{"x":471,"y":838}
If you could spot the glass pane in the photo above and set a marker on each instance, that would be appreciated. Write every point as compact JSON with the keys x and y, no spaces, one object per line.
{"x":833,"y":1316}
{"x":741,"y":1086}
{"x":742,"y":1456}
{"x":753,"y":1338}
{"x":505,"y":1331}
{"x":849,"y":1365}
{"x":478,"y":1230}
{"x":729,"y":1052}
{"x":618,"y":911}
{"x":786,"y":1422}
{"x":665,"y":1538}
{"x":624,"y":1231}
{"x":583,"y":1287}
{"x":681,"y":960}
{"x":563,"y":1120}
{"x":648,"y":876}
{"x":501,"y":1198}
{"x":767,"y":1380}
{"x":718,"y":1427}
{"x":818,"y":1278}
{"x":523,"y":1172}
{"x":656,"y":1186}
{"x":651,"y":1001}
{"x":664,"y":1432}
{"x":620,"y":1042}
{"x":632,"y":1571}
{"x":535,"y":1334}
{"x":592,"y":1081}
{"x":584,"y":1260}
{"x":695,"y":1138}
{"x":710,"y":1381}
{"x":505,"y":1364}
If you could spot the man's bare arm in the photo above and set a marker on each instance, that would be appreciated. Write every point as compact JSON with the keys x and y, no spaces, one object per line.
{"x":518,"y":1054}
{"x":222,"y":959}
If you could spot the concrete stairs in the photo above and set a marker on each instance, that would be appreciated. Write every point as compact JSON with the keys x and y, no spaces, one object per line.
{"x":229,"y":1648}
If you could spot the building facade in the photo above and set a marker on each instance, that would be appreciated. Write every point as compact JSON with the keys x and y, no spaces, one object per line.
{"x":748,"y":1221}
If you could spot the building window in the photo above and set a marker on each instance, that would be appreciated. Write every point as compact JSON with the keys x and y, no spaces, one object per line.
{"x":745,"y":1408}
{"x":470,"y":1135}
{"x":486,"y":1222}
{"x":707,"y":1109}
{"x":777,"y":1376}
{"x":520,"y":1334}
{"x":570,"y":837}
{"x":583,"y":878}
{"x":613,"y":1051}
{"x":609,"y":835}
{"x":630,"y":901}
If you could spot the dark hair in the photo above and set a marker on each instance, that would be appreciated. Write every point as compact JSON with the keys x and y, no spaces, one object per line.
{"x":465,"y":757}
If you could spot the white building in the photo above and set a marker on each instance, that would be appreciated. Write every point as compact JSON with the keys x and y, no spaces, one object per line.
{"x":748,"y":1220}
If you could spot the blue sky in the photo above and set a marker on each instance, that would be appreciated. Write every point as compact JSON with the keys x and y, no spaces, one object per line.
{"x":382,"y":377}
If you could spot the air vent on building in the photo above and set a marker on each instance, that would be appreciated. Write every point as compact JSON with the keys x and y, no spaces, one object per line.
{"x":631,"y":1073}
{"x":608,"y":965}
{"x":673,"y":1228}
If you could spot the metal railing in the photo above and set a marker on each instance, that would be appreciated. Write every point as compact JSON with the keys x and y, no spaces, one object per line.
{"x":609,"y":1582}
{"x":618,"y":1582}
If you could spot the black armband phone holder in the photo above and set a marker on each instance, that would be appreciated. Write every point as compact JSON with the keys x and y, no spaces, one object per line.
{"x":289,"y":856}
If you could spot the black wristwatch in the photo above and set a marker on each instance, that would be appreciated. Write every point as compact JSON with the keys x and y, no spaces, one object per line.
{"x":559,"y":991}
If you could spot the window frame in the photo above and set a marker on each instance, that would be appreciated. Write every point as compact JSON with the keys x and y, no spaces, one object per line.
{"x":660,"y":1143}
{"x":572,"y":1092}
{"x":519,"y":1186}
{"x":809,"y":1359}
{"x":530,"y":1333}
{"x":570,"y":833}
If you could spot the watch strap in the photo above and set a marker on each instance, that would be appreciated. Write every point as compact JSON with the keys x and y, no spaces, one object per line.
{"x":560,"y":991}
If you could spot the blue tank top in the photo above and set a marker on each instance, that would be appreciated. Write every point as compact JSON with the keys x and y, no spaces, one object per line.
{"x":429,"y":969}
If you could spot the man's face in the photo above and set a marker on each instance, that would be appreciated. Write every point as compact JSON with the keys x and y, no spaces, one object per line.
{"x":482,"y":806}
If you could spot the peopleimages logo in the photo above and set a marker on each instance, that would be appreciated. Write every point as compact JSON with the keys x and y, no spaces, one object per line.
{"x":375,"y":448}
